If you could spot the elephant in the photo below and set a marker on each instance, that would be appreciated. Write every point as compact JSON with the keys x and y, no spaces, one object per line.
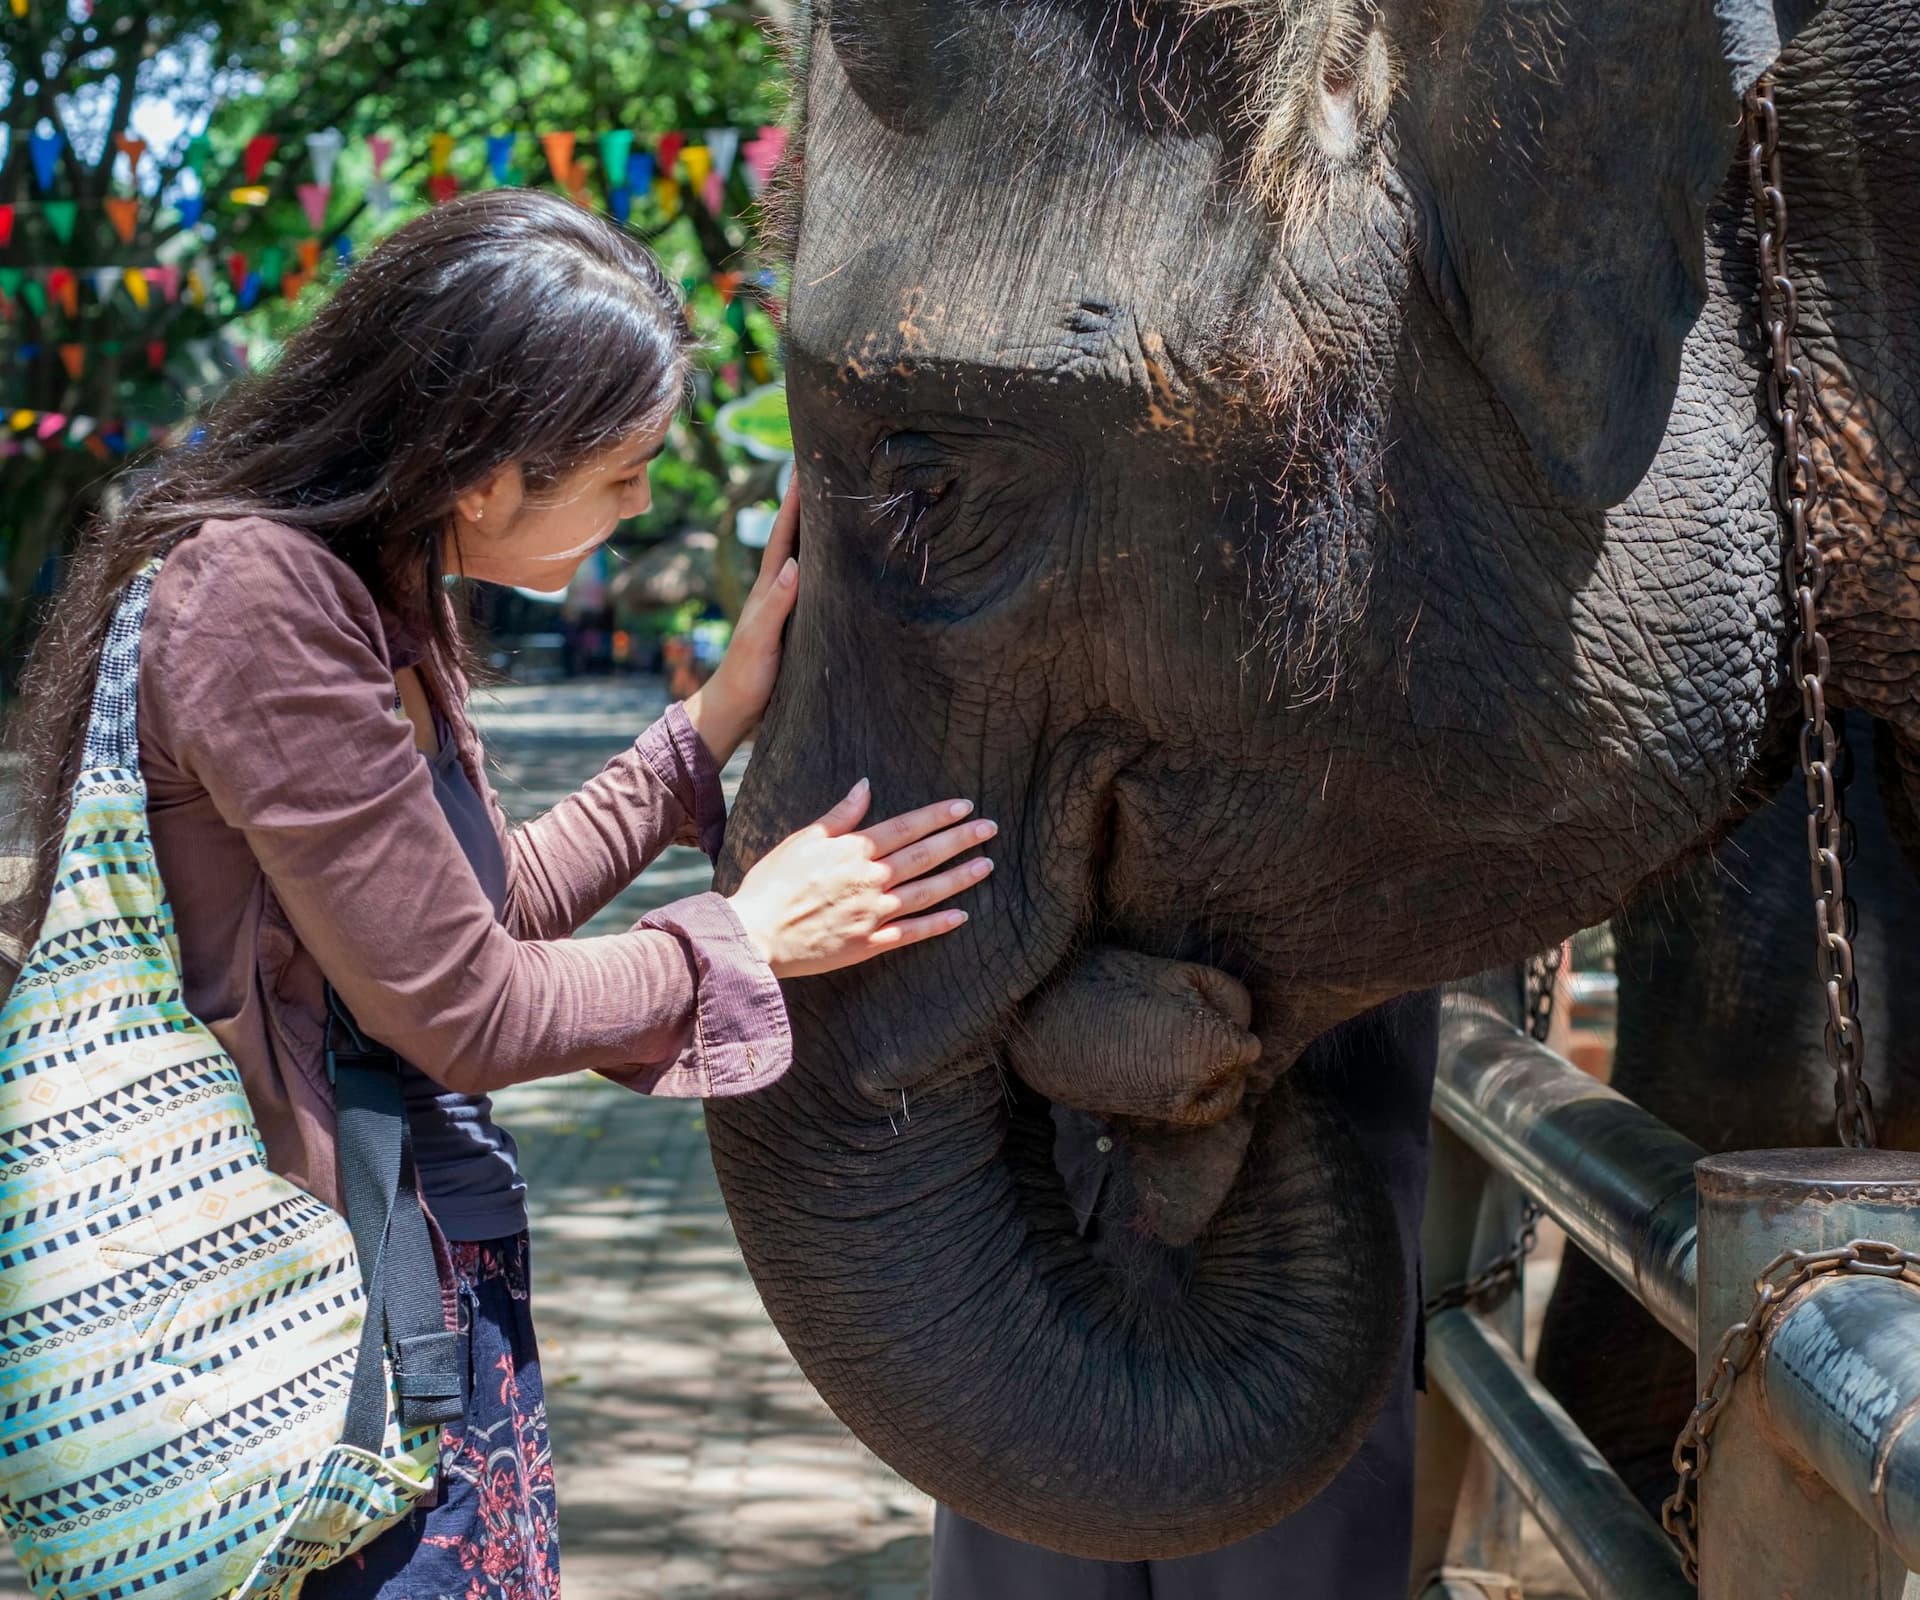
{"x":1301,"y":465}
{"x":1720,"y":1034}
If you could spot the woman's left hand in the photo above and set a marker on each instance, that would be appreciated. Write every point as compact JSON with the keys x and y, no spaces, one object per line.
{"x":734,"y":699}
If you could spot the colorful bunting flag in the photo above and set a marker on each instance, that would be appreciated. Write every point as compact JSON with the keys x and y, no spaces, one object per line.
{"x":35,"y":297}
{"x":382,"y":148}
{"x":65,"y":288}
{"x":106,"y":283}
{"x":156,"y":354}
{"x":45,"y":149}
{"x":671,"y":144}
{"x":640,"y":171}
{"x":442,"y":187}
{"x":762,"y":156}
{"x":616,"y":150}
{"x":323,"y":150}
{"x":191,"y":207}
{"x":133,"y":150}
{"x":723,"y":144}
{"x":136,"y":282}
{"x":124,"y":214}
{"x":6,"y":226}
{"x":500,"y":155}
{"x":698,"y":160}
{"x":258,"y":153}
{"x":199,"y":152}
{"x":380,"y":198}
{"x":61,"y":216}
{"x":74,"y":358}
{"x":667,"y":193}
{"x":314,"y":198}
{"x":310,"y":256}
{"x":620,"y":204}
{"x":439,"y":153}
{"x":253,"y":194}
{"x":559,"y":149}
{"x":167,"y":280}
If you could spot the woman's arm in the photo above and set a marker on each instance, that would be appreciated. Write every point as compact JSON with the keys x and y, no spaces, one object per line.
{"x":270,"y":688}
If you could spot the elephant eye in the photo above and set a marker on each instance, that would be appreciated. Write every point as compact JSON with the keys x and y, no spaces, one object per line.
{"x":912,"y":475}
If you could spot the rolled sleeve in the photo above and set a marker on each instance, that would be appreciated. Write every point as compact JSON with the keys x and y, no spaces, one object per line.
{"x":679,"y":757}
{"x":741,"y":1037}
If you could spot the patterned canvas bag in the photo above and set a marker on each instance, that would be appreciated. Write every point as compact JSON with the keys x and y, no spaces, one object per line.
{"x":194,"y":1402}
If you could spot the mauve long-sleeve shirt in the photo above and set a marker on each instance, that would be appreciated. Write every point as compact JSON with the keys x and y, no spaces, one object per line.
{"x":300,"y":842}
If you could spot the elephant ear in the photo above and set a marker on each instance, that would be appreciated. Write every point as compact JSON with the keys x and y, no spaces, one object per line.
{"x":1573,"y":151}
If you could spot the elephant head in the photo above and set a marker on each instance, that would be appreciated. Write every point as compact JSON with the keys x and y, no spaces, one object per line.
{"x":1272,"y":454}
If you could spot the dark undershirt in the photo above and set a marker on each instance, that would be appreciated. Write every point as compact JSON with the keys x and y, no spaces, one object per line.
{"x":469,"y":1165}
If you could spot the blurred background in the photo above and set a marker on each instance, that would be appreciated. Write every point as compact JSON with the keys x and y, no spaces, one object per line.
{"x":180,"y":183}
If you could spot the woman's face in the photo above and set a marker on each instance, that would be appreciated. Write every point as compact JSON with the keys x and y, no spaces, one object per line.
{"x":505,"y":534}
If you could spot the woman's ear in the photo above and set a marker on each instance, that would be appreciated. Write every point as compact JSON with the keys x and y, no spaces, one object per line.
{"x":494,"y":502}
{"x":1571,"y":153}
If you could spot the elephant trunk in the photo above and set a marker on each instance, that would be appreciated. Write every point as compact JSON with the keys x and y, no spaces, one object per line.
{"x":1133,"y":1401}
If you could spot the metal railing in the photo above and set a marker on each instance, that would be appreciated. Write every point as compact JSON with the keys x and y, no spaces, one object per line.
{"x":1814,"y":1481}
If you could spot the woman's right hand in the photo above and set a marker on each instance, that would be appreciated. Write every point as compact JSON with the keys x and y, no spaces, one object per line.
{"x":831,"y":897}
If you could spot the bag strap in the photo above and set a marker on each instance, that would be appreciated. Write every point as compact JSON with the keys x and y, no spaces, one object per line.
{"x":381,"y":1187}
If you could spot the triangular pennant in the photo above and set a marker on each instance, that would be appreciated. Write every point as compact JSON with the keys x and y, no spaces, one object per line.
{"x":258,"y":153}
{"x":272,"y":263}
{"x":737,"y":315}
{"x":61,"y":216}
{"x":442,"y":187}
{"x":640,"y":170}
{"x":310,"y":256}
{"x":156,"y":353}
{"x":314,"y":198}
{"x":106,"y":284}
{"x":763,"y":155}
{"x":19,"y":8}
{"x":620,"y":203}
{"x":191,"y":208}
{"x":291,"y":284}
{"x":237,"y":269}
{"x":65,"y":288}
{"x":74,"y":358}
{"x":167,"y":280}
{"x":698,"y":160}
{"x":666,"y":194}
{"x":382,"y":148}
{"x":199,"y":153}
{"x":343,"y":250}
{"x":132,"y":149}
{"x":45,"y":149}
{"x":439,"y":153}
{"x":81,"y":427}
{"x":714,"y":194}
{"x":724,"y":145}
{"x":323,"y":150}
{"x":559,"y":149}
{"x":616,"y":150}
{"x":671,"y":144}
{"x":250,"y":291}
{"x":6,"y":226}
{"x":136,"y":282}
{"x":251,"y":194}
{"x":499,"y":155}
{"x":35,"y":297}
{"x":577,"y":185}
{"x":124,"y":213}
{"x":380,"y":198}
{"x":197,"y":286}
{"x":50,"y":424}
{"x":728,"y":283}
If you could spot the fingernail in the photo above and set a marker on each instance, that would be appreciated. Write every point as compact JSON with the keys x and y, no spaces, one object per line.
{"x":985,"y":830}
{"x":957,"y":917}
{"x":982,"y":868}
{"x":960,"y":808}
{"x":860,"y":787}
{"x":790,"y":573}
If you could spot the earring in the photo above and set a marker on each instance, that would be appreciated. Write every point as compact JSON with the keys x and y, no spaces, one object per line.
{"x":479,"y":512}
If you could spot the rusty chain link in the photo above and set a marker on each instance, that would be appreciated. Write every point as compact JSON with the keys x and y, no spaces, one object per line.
{"x":1786,"y":1273}
{"x":1543,"y":974}
{"x":1790,"y":404}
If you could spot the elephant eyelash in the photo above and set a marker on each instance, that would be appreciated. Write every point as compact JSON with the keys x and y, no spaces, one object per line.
{"x":906,"y":511}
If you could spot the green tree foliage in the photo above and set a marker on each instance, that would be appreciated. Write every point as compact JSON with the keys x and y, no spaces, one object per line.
{"x":201,"y":81}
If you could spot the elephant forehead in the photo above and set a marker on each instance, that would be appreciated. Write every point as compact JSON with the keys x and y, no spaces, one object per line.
{"x":1112,"y":258}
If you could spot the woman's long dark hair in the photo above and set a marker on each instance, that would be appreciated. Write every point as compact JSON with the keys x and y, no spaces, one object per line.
{"x":508,"y":326}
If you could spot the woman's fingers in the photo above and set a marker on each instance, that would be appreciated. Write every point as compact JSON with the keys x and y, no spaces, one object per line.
{"x":896,"y":833}
{"x":916,"y":859}
{"x":915,"y":930}
{"x":845,"y":817}
{"x":924,"y":892}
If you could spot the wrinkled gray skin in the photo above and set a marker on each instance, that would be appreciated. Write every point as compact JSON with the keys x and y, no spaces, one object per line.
{"x":1334,"y":599}
{"x":1721,"y":1036}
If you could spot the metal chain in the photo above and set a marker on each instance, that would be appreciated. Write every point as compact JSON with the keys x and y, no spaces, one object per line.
{"x":1543,"y":975}
{"x":1492,"y":1282}
{"x":1790,"y":403}
{"x":1787,"y":1272}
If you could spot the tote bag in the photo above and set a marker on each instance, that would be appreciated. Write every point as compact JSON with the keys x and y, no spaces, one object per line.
{"x":181,"y":1329}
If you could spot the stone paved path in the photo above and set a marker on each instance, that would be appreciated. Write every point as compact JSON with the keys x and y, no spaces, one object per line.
{"x":693,"y":1459}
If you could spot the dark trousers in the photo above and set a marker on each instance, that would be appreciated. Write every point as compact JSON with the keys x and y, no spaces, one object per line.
{"x":1354,"y":1540}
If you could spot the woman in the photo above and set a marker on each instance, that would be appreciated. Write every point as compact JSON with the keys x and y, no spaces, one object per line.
{"x":480,"y":400}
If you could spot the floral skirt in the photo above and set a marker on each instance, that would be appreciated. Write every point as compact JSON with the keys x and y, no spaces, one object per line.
{"x":494,"y":1534}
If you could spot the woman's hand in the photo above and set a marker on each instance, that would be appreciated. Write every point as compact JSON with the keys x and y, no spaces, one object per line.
{"x":830,"y":897}
{"x":731,"y":704}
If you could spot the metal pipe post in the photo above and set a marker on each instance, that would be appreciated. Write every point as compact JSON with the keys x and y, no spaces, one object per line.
{"x":1618,"y":1179}
{"x":1831,"y":1375}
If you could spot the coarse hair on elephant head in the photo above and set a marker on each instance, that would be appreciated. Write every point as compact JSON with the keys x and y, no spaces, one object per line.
{"x":1298,"y":466}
